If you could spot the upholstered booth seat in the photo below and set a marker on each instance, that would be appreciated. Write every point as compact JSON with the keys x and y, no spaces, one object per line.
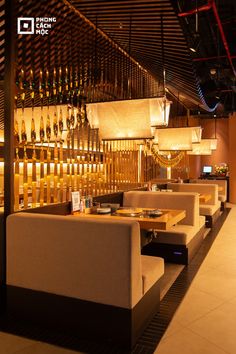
{"x":211,"y":209}
{"x":82,"y":275}
{"x":202,"y":220}
{"x":222,"y":198}
{"x":177,"y":235}
{"x":180,"y":242}
{"x":222,"y":184}
{"x":208,"y":209}
{"x":152,"y":269}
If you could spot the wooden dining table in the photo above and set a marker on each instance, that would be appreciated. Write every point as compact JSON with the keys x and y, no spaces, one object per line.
{"x":168,"y":218}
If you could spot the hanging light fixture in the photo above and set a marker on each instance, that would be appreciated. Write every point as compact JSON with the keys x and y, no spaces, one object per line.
{"x":196,"y":134}
{"x":172,"y":139}
{"x":205,"y":147}
{"x":213,"y":143}
{"x":202,"y":148}
{"x":128,"y":119}
{"x":159,"y":111}
{"x":181,"y":135}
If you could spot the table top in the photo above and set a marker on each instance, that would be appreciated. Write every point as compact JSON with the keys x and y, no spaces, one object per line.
{"x":203,"y":198}
{"x":168,"y":218}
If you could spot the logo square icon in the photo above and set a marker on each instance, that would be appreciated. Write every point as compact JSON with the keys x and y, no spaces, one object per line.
{"x":25,"y":25}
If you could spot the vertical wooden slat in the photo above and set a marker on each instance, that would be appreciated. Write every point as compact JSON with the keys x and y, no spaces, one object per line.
{"x":9,"y":93}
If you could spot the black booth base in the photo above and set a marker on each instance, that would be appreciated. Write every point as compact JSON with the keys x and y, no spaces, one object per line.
{"x":85,"y":319}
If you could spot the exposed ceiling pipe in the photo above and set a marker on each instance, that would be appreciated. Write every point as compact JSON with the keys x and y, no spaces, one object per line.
{"x":212,"y":5}
{"x":194,"y":11}
{"x":222,"y":34}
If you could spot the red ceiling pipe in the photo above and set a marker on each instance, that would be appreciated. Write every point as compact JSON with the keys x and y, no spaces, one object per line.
{"x":212,"y":5}
{"x":194,"y":11}
{"x":222,"y":34}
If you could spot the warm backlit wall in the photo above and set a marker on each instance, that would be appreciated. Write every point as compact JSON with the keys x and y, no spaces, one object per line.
{"x":218,"y":128}
{"x":232,"y":158}
{"x":212,"y":128}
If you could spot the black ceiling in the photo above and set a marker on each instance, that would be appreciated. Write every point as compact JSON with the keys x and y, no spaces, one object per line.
{"x":153,"y":33}
{"x":214,"y":32}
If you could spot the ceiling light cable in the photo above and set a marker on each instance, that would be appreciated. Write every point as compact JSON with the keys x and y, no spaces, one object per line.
{"x":196,"y":28}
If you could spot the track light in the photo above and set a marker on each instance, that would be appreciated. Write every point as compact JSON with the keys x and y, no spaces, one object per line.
{"x":194,"y":47}
{"x":195,"y":43}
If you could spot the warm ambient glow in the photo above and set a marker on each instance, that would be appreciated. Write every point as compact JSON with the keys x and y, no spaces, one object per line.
{"x":1,"y":136}
{"x":175,"y":139}
{"x":196,"y":133}
{"x":128,"y":119}
{"x":213,"y":143}
{"x":159,"y":111}
{"x":202,"y":148}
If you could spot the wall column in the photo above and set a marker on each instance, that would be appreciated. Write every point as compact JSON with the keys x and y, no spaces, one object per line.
{"x":8,"y":155}
{"x":232,"y":158}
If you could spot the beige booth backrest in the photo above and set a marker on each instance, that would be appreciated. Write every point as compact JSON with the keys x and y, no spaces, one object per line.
{"x":94,"y":260}
{"x":220,"y":182}
{"x":166,"y":200}
{"x":211,"y":189}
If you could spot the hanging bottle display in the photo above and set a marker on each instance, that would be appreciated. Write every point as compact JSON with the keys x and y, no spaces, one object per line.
{"x":42,"y":135}
{"x":25,"y":159}
{"x":34,"y":159}
{"x":54,"y":84}
{"x":17,"y":163}
{"x":61,"y":155}
{"x":48,"y":178}
{"x":55,"y":178}
{"x":68,"y":154}
{"x":55,"y":133}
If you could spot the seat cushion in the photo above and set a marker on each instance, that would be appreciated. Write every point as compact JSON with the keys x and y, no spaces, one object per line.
{"x":208,"y":209}
{"x":177,"y":235}
{"x":202,"y":221}
{"x":152,"y":271}
{"x":222,"y":198}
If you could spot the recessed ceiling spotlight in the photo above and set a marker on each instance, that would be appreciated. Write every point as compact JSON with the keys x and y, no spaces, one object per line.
{"x":213,"y":71}
{"x":195,"y":43}
{"x":193,"y":49}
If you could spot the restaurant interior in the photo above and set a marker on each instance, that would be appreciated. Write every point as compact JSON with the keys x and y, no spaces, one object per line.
{"x":117,"y":176}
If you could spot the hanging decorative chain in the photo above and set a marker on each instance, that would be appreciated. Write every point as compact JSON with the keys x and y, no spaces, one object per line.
{"x":163,"y":161}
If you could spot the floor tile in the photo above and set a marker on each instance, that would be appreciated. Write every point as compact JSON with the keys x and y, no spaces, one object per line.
{"x":218,"y":327}
{"x":173,"y":328}
{"x":208,"y":311}
{"x":187,"y":342}
{"x":211,"y":283}
{"x":43,"y":348}
{"x":196,"y":305}
{"x":9,"y":343}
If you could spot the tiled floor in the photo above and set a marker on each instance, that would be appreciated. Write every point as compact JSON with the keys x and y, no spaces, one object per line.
{"x":204,"y":322}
